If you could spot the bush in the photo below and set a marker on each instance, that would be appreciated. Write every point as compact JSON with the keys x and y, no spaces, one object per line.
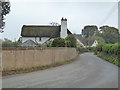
{"x":111,"y":48}
{"x":114,"y":49}
{"x":70,"y":41}
{"x":49,"y":43}
{"x":99,"y":47}
{"x":107,"y":48}
{"x":91,"y":49}
{"x":67,"y":43}
{"x":81,"y":49}
{"x":9,"y":43}
{"x":58,"y":42}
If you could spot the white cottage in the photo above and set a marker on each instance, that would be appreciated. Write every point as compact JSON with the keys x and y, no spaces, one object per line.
{"x":42,"y":33}
{"x":85,"y":42}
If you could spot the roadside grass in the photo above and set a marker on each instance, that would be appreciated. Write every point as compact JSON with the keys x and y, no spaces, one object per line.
{"x":110,"y":58}
{"x":37,"y":68}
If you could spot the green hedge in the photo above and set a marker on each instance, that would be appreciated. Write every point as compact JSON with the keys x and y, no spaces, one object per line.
{"x":108,"y":48}
{"x":69,"y":41}
{"x":111,"y":48}
{"x":109,"y":52}
{"x":58,"y":42}
{"x":99,"y":47}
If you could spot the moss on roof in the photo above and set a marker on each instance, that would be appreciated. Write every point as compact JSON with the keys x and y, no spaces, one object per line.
{"x":40,"y":31}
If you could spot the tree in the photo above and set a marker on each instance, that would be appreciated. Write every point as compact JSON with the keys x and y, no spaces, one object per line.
{"x":58,"y":42}
{"x":109,"y":34}
{"x":108,"y":29}
{"x":70,"y":41}
{"x":99,"y":39}
{"x":54,"y":24}
{"x":4,"y":10}
{"x":99,"y":46}
{"x":8,"y":43}
{"x":89,"y":31}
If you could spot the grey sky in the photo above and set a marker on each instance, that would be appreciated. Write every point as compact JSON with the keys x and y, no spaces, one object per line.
{"x":78,"y":14}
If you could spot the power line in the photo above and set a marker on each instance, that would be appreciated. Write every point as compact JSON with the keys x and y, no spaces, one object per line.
{"x":112,"y":10}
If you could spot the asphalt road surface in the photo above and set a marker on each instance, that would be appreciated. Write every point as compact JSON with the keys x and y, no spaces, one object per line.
{"x":88,"y":71}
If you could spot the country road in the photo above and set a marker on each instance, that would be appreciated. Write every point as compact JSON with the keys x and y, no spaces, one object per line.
{"x":88,"y":71}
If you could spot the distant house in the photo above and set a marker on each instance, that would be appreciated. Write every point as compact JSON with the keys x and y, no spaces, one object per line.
{"x":86,"y":43}
{"x":42,"y":33}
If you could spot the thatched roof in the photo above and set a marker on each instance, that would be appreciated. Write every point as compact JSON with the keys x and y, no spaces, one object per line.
{"x":85,"y":41}
{"x":41,"y":31}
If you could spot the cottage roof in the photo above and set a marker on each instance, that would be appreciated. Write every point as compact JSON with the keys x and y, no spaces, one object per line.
{"x":41,"y":31}
{"x":85,"y":41}
{"x":28,"y":43}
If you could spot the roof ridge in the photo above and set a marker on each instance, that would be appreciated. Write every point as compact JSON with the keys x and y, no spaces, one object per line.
{"x":42,"y":25}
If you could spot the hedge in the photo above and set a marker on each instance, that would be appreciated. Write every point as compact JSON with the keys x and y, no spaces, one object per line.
{"x":111,"y":48}
{"x":58,"y":42}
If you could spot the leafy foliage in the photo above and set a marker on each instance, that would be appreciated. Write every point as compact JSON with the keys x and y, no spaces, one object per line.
{"x":67,"y":43}
{"x":99,"y":39}
{"x":109,"y":34}
{"x":110,"y":58}
{"x":99,"y":46}
{"x":81,"y":49}
{"x":9,"y":43}
{"x":4,"y":9}
{"x":108,"y":48}
{"x":70,"y":41}
{"x":91,"y":49}
{"x":58,"y":42}
{"x":49,"y":44}
{"x":89,"y":31}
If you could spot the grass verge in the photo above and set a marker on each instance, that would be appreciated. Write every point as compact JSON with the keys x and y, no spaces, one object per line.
{"x":110,"y":58}
{"x":19,"y":71}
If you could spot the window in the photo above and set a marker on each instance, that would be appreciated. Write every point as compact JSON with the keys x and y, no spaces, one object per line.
{"x":39,"y":38}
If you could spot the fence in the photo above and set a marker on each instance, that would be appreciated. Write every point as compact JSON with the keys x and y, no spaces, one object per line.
{"x":22,"y":59}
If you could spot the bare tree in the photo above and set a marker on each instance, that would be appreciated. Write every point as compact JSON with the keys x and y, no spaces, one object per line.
{"x":54,"y":24}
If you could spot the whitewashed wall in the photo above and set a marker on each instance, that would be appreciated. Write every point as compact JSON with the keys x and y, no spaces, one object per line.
{"x":37,"y":40}
{"x":95,"y":43}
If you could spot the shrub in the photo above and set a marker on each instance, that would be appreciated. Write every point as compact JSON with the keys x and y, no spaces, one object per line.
{"x":115,"y":49}
{"x":67,"y":43}
{"x":111,"y":48}
{"x":8,"y":43}
{"x":91,"y":48}
{"x":81,"y":49}
{"x":70,"y":41}
{"x":106,"y":48}
{"x":99,"y":47}
{"x":49,"y":44}
{"x":58,"y":42}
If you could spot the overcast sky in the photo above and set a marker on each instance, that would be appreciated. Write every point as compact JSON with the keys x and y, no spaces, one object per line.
{"x":78,"y":14}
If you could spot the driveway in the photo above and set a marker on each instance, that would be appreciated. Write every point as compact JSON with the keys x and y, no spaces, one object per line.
{"x":88,"y":71}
